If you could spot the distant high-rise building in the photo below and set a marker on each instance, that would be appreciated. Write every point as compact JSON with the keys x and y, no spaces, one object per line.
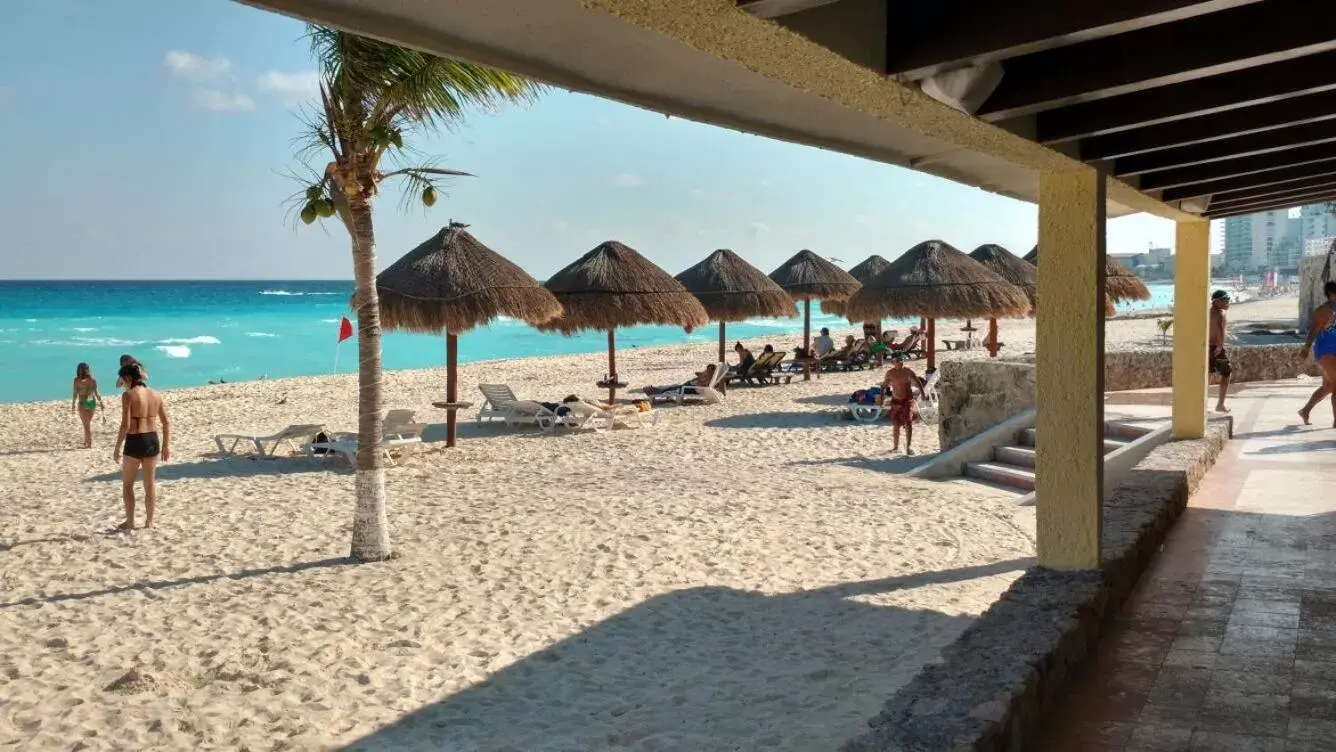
{"x":1274,"y":239}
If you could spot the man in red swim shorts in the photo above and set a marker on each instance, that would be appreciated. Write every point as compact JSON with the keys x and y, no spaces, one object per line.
{"x":898,"y":389}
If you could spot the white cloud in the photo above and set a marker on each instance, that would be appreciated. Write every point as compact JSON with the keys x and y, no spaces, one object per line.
{"x":216,"y":100}
{"x":765,"y":183}
{"x":292,"y":88}
{"x":757,"y":229}
{"x":197,"y":68}
{"x":866,"y":222}
{"x":627,"y":180}
{"x":700,"y":194}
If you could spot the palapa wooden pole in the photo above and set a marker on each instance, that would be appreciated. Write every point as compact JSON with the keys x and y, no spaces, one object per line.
{"x":451,"y":384}
{"x":721,"y":343}
{"x":807,"y":339}
{"x":612,"y":366}
{"x":992,"y":338}
{"x":932,"y":344}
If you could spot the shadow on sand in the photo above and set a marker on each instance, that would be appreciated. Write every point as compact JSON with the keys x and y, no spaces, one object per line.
{"x":781,"y":419}
{"x":235,"y":467}
{"x":701,"y":669}
{"x":200,"y":580}
{"x":893,"y":465}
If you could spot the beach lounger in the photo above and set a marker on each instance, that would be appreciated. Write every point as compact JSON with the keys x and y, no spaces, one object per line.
{"x":856,"y":357}
{"x":690,"y":393}
{"x":345,"y":446}
{"x":761,"y":371}
{"x":501,"y":404}
{"x":267,"y":446}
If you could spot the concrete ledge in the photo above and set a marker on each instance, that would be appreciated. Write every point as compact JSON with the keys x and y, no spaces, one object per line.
{"x":978,"y":448}
{"x":993,"y":685}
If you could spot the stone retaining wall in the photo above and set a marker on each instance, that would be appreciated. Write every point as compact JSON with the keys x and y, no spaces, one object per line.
{"x":997,"y":680}
{"x":976,"y":395}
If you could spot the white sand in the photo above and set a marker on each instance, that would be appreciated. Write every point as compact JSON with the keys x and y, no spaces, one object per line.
{"x":742,"y":576}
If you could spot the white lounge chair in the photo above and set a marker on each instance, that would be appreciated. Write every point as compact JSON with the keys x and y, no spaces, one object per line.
{"x":399,"y":424}
{"x":926,"y":409}
{"x":345,"y":446}
{"x":691,"y":393}
{"x":581,"y":416}
{"x":502,"y":404}
{"x":267,"y":446}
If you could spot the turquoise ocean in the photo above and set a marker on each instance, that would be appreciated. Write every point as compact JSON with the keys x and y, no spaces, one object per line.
{"x":191,"y":333}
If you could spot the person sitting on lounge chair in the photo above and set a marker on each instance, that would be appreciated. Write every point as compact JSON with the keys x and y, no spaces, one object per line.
{"x":843,"y":352}
{"x":745,"y":360}
{"x":703,"y":378}
{"x":823,"y":344}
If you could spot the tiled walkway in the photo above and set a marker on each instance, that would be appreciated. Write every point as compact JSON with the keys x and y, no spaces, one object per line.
{"x":1229,"y":643}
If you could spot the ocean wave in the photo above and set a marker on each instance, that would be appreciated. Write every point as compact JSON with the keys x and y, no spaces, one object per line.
{"x":295,"y":294}
{"x":174,"y":351}
{"x":201,"y":340}
{"x":260,"y":334}
{"x":84,"y":329}
{"x":87,"y":342}
{"x":329,"y":321}
{"x":31,"y":321}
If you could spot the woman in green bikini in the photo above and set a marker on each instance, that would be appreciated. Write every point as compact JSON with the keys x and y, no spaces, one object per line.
{"x":86,"y":400}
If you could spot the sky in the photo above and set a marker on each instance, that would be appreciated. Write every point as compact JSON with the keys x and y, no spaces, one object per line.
{"x":153,"y":139}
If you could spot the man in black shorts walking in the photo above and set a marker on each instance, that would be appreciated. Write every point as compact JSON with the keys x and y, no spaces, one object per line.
{"x":1219,"y":358}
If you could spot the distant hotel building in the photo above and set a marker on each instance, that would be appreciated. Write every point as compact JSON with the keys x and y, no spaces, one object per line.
{"x":1274,"y":239}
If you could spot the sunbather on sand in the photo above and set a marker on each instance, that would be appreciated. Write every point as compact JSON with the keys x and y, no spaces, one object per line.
{"x":703,"y":378}
{"x":898,"y":391}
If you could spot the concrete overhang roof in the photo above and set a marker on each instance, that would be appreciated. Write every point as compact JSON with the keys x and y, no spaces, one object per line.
{"x":708,"y":61}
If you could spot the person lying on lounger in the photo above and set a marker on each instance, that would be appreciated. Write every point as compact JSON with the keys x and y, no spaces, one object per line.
{"x":703,"y":378}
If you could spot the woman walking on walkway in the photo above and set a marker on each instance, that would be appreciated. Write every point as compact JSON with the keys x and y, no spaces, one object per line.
{"x":1322,"y":344}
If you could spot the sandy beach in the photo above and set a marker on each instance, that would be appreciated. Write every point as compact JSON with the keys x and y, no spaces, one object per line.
{"x":749,"y":575}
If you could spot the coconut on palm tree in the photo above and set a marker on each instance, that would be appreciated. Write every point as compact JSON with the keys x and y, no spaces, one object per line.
{"x":373,"y":95}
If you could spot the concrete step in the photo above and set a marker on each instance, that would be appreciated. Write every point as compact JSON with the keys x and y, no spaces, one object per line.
{"x":1002,"y":473}
{"x":1123,"y":430}
{"x":1026,"y":438}
{"x":1021,"y":456}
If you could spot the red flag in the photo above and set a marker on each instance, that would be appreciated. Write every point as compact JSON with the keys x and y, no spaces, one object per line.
{"x":345,"y":329}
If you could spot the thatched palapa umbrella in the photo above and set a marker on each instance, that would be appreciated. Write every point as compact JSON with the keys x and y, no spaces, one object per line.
{"x":864,"y":271}
{"x":1119,"y":282}
{"x":614,"y":286}
{"x":731,"y":289}
{"x":933,"y":279}
{"x":1013,"y":269}
{"x":806,"y":277}
{"x":453,"y":283}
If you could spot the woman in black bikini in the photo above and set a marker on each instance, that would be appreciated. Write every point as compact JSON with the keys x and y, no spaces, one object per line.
{"x":86,"y":400}
{"x":142,"y":409}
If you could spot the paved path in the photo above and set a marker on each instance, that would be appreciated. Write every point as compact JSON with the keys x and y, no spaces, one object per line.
{"x":1229,"y":643}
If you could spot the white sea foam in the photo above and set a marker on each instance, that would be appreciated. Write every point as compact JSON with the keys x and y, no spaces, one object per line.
{"x":290,"y":293}
{"x":174,"y":351}
{"x":329,"y":321}
{"x":87,"y":342}
{"x":84,"y":329}
{"x":260,"y":334}
{"x":201,"y":340}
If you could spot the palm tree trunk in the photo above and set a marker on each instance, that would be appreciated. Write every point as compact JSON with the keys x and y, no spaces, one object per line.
{"x":371,"y":531}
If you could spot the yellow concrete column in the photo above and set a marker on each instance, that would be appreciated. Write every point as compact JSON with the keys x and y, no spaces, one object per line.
{"x":1192,"y":277}
{"x":1069,"y":471}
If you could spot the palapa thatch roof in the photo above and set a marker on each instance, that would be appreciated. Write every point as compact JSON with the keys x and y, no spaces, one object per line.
{"x":614,"y":286}
{"x":453,"y":283}
{"x":864,"y":271}
{"x":731,"y":289}
{"x":1010,"y":267}
{"x":1120,"y":283}
{"x":807,"y":276}
{"x":935,"y":280}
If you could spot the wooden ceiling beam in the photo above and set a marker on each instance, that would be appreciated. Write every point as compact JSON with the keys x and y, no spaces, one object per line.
{"x":1304,"y":155}
{"x":1255,"y":86}
{"x":1250,"y":182}
{"x":927,"y":38}
{"x":1316,"y":198}
{"x":1214,"y":44}
{"x":1266,"y":142}
{"x":1280,"y":190}
{"x":1222,"y":125}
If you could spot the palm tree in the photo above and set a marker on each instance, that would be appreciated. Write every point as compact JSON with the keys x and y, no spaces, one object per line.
{"x":372,"y":94}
